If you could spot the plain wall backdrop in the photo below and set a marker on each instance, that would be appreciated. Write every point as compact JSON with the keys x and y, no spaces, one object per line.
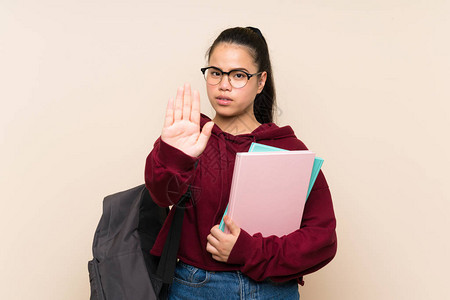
{"x":365,"y":84}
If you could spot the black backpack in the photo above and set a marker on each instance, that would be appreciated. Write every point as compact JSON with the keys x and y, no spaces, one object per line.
{"x":123,"y":268}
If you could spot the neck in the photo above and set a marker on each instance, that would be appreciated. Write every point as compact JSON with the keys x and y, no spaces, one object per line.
{"x":235,"y":125}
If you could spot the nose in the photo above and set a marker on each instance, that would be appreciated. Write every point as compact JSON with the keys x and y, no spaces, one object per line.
{"x":224,"y":84}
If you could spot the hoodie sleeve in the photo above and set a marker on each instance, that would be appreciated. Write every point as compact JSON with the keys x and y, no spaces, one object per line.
{"x":301,"y":252}
{"x":168,"y":173}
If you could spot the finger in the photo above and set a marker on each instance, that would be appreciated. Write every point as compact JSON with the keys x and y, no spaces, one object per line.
{"x":219,"y":258}
{"x":169,"y":113}
{"x":195,"y":112}
{"x":187,"y":102}
{"x":217,"y":234}
{"x":215,"y":253}
{"x":211,"y":249}
{"x":178,"y":104}
{"x":234,"y":229}
{"x":213,"y":240}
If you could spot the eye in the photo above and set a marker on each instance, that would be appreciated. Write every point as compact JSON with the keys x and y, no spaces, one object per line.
{"x":239,"y":75}
{"x":214,"y":73}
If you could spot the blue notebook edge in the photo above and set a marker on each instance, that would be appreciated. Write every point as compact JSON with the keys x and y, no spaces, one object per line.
{"x":256,"y":147}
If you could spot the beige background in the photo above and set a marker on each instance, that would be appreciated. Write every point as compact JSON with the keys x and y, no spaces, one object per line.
{"x":365,"y":84}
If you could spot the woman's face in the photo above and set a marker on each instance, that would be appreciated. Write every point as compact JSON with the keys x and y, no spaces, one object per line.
{"x":226,"y":100}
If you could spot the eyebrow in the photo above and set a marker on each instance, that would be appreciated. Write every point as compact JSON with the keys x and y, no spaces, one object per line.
{"x":235,"y":69}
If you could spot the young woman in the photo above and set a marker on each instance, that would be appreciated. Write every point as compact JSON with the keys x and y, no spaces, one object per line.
{"x":193,"y":150}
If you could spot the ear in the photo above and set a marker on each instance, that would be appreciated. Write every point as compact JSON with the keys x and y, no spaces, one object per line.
{"x":262,"y":81}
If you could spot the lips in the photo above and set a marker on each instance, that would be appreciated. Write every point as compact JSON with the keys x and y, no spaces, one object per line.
{"x":223,"y":100}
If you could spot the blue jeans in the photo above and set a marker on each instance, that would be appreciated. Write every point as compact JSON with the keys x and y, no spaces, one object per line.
{"x":191,"y":283}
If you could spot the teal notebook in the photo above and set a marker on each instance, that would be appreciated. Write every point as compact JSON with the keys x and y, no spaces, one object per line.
{"x":255,"y":147}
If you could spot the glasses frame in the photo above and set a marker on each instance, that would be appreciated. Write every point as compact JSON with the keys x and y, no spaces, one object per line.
{"x":228,"y":75}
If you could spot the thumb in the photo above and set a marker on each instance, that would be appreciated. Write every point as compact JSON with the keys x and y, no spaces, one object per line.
{"x":234,"y":229}
{"x":206,"y":133}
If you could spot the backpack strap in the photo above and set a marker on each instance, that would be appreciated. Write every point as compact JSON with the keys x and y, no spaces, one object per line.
{"x":168,"y":260}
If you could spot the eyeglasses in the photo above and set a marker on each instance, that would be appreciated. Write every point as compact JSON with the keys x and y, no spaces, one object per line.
{"x":237,"y":78}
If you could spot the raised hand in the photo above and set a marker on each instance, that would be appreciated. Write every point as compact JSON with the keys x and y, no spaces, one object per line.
{"x":182,"y":123}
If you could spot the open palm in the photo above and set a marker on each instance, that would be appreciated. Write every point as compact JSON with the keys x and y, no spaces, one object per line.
{"x":182,"y":123}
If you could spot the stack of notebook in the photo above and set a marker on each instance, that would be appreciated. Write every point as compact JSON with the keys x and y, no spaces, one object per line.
{"x":269,"y":189}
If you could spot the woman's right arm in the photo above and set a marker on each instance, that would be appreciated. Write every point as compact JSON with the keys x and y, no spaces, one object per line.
{"x":169,"y":167}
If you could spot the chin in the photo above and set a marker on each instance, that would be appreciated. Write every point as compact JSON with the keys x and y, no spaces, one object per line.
{"x":225,"y":114}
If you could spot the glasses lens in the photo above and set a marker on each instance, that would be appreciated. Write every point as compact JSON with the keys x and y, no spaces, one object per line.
{"x":238,"y":79}
{"x":213,"y":76}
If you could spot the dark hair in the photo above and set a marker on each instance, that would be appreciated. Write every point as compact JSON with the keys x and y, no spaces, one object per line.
{"x":253,"y":39}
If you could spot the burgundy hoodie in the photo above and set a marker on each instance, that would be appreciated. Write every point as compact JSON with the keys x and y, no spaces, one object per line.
{"x":169,"y":172}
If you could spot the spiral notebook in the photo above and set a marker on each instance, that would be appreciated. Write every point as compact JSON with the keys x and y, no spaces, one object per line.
{"x":269,"y":191}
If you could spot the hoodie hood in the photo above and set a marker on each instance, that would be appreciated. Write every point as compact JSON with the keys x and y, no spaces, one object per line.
{"x":266,"y":131}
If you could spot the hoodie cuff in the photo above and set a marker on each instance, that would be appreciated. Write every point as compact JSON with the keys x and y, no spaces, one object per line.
{"x":173,"y":158}
{"x":242,"y":249}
